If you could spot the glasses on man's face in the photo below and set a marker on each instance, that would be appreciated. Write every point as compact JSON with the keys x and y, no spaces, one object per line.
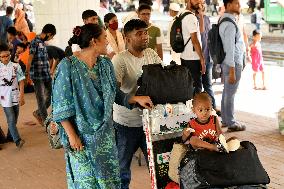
{"x":5,"y":56}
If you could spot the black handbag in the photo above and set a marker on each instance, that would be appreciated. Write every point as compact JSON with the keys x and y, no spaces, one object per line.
{"x":204,"y":169}
{"x":168,"y":84}
{"x":2,"y":137}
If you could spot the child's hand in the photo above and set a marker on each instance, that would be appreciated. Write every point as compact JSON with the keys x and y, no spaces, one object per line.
{"x":187,"y":131}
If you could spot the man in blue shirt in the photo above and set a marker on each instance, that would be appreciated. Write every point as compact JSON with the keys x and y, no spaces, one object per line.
{"x":38,"y":70}
{"x":232,"y":65}
{"x":5,"y":23}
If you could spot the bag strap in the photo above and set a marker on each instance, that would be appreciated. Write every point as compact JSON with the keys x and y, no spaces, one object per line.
{"x":181,"y":17}
{"x":227,"y":19}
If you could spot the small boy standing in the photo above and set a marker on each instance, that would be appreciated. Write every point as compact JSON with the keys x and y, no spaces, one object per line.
{"x":11,"y":80}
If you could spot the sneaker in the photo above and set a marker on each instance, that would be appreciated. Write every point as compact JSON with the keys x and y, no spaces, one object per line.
{"x":236,"y":127}
{"x":38,"y":118}
{"x":20,"y":144}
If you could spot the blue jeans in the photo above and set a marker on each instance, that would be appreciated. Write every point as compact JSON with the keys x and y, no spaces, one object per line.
{"x":12,"y":114}
{"x":43,"y":96}
{"x":257,"y":25}
{"x":194,"y":68}
{"x":228,"y":96}
{"x":207,"y":82}
{"x":128,"y":140}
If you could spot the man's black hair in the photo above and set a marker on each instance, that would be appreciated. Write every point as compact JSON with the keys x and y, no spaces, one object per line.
{"x":134,"y":24}
{"x":9,"y":10}
{"x":49,"y":28}
{"x":226,"y":2}
{"x":143,"y":7}
{"x":88,"y":13}
{"x":12,"y":30}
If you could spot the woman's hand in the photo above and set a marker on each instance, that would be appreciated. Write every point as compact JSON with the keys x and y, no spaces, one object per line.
{"x":144,"y":101}
{"x":75,"y":142}
{"x":21,"y":100}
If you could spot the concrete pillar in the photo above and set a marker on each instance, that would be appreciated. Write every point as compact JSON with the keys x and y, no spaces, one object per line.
{"x":65,"y":15}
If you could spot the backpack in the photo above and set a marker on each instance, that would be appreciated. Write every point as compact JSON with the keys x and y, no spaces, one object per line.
{"x":168,"y":84}
{"x":176,"y":37}
{"x":215,"y":44}
{"x":253,"y":18}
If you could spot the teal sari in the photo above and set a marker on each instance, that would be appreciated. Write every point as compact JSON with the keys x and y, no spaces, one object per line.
{"x":85,"y":97}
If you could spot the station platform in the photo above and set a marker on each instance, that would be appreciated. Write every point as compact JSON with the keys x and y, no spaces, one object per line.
{"x":36,"y":166}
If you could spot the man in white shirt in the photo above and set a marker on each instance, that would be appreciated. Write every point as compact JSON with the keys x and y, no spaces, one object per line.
{"x":192,"y":56}
{"x":128,"y":68}
{"x":174,"y":10}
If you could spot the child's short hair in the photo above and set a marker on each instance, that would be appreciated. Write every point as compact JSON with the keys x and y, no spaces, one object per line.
{"x":49,"y":28}
{"x":12,"y":30}
{"x":23,"y":45}
{"x":88,"y":13}
{"x":203,"y":97}
{"x":4,"y":47}
{"x":256,"y":32}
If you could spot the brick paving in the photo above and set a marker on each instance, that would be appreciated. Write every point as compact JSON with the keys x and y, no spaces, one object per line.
{"x":36,"y":166}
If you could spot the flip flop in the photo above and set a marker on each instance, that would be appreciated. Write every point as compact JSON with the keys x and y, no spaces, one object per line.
{"x":256,"y":88}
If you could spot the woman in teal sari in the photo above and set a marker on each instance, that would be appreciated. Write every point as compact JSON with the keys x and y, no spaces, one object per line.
{"x":84,"y":91}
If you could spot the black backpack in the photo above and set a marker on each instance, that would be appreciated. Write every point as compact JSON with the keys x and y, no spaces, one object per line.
{"x":168,"y":84}
{"x":215,"y":44}
{"x":176,"y":37}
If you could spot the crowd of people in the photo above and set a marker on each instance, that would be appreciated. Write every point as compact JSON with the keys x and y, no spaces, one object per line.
{"x":93,"y":87}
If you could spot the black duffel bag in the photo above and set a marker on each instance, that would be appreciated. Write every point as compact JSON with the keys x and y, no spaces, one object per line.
{"x":206,"y":169}
{"x":2,"y":137}
{"x":168,"y":84}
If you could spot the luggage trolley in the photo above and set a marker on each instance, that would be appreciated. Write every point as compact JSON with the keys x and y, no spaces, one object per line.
{"x":163,"y":127}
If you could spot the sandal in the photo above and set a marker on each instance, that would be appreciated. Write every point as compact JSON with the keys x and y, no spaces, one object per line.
{"x":256,"y":88}
{"x":237,"y":127}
